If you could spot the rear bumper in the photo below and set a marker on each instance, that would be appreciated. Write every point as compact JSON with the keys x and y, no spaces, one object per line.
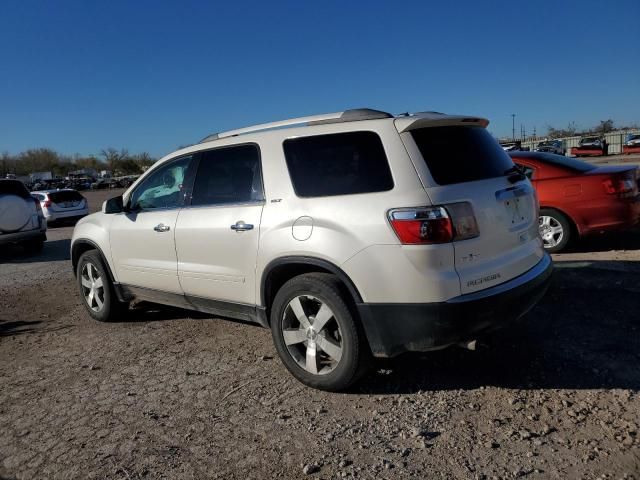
{"x":394,"y":328}
{"x":52,"y":216}
{"x":617,"y":215}
{"x":17,"y":237}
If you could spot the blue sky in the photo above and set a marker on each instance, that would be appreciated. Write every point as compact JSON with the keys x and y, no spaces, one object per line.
{"x":78,"y":76}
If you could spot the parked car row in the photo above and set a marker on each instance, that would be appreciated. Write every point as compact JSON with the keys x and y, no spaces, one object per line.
{"x":588,"y":146}
{"x":123,"y":182}
{"x":349,"y":235}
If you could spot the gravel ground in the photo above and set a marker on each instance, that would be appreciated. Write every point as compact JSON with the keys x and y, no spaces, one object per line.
{"x":174,"y":394}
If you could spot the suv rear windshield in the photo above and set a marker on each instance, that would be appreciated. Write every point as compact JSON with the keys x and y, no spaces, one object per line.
{"x":65,"y":196}
{"x":14,"y":187}
{"x":338,"y":164}
{"x":461,"y":154}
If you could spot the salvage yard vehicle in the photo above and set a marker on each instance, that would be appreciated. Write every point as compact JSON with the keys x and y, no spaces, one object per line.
{"x":631,"y":144}
{"x":552,"y":146}
{"x":579,"y":199}
{"x":349,"y":234}
{"x":62,"y":205}
{"x":588,"y":146}
{"x":21,"y":219}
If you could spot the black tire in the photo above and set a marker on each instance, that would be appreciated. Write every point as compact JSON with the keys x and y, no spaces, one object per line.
{"x":556,"y":219}
{"x":33,"y":246}
{"x":111,"y":309}
{"x":355,"y":356}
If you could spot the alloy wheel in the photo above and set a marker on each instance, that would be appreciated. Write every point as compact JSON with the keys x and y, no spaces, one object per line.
{"x":551,"y":231}
{"x":92,"y":287}
{"x":312,"y":335}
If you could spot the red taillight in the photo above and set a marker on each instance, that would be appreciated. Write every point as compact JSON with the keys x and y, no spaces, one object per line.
{"x":622,"y":186}
{"x":429,"y":225}
{"x":47,"y":203}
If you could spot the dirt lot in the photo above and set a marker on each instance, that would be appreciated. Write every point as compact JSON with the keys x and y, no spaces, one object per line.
{"x":172,"y":394}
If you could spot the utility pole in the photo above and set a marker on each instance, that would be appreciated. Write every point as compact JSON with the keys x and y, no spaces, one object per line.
{"x":513,"y":127}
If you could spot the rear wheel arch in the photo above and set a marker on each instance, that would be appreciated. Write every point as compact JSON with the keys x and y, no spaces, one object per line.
{"x":283,"y":269}
{"x":574,"y":225}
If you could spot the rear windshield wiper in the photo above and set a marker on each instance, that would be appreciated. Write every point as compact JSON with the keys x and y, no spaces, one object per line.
{"x":515,"y":173}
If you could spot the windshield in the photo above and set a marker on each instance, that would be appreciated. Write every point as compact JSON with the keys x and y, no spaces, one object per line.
{"x":589,"y":140}
{"x":461,"y":154}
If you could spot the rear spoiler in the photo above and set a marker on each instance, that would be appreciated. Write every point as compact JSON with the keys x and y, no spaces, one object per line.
{"x":433,"y":119}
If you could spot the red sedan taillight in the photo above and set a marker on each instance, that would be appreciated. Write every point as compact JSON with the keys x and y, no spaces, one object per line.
{"x":623,"y":186}
{"x":430,"y":225}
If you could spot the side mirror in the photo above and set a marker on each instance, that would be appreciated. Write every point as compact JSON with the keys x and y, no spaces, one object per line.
{"x":113,"y":205}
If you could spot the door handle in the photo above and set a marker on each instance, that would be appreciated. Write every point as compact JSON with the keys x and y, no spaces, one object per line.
{"x":161,"y":227}
{"x":241,"y":226}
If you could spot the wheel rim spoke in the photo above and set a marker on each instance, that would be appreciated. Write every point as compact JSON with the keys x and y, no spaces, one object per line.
{"x":93,"y":284}
{"x":99,"y":302}
{"x":330,"y":347}
{"x":296,"y":306}
{"x":293,"y":336}
{"x":322,"y":317}
{"x":311,"y":362}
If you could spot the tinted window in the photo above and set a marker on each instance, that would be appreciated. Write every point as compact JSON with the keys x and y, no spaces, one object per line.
{"x":557,"y":160}
{"x":338,"y":164}
{"x":65,"y":196}
{"x":461,"y":154}
{"x":163,"y":188}
{"x":228,"y":175}
{"x":13,"y":187}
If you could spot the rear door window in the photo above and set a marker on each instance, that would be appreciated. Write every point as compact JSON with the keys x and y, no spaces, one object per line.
{"x":228,"y":175}
{"x":461,"y":154}
{"x":338,"y":164}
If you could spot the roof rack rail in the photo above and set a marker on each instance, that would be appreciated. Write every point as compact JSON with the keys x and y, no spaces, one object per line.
{"x":352,"y":115}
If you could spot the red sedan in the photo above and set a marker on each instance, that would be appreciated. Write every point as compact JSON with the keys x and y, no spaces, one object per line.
{"x":578,"y":199}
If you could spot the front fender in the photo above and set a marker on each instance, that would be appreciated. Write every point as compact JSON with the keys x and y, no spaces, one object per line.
{"x":93,"y":232}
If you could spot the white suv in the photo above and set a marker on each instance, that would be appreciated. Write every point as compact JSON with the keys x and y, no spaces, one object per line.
{"x":347,"y":234}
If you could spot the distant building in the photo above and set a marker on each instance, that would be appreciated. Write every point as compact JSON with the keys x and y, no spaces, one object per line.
{"x":84,"y":172}
{"x":36,"y":176}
